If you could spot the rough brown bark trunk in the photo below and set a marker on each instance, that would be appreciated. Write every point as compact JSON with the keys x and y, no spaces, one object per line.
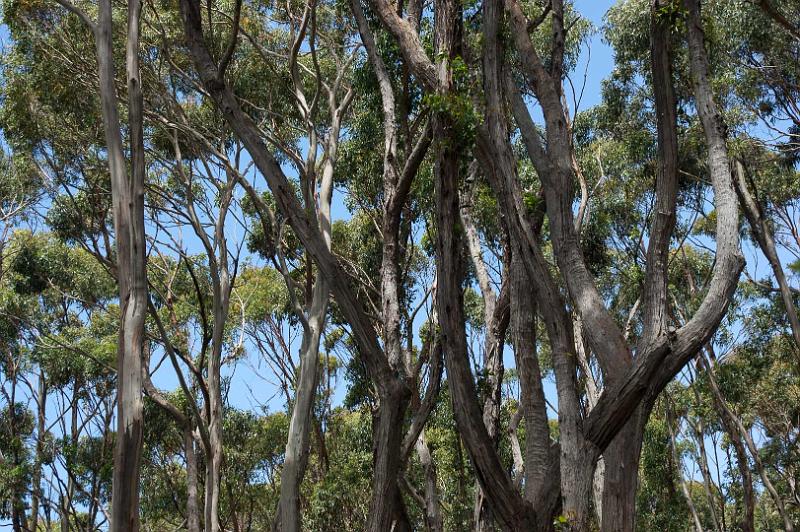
{"x":532,"y":399}
{"x":499,"y":490}
{"x":387,"y":436}
{"x":396,"y":186}
{"x":621,"y":481}
{"x":468,"y":414}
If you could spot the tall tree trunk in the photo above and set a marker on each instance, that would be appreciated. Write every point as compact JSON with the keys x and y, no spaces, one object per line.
{"x":192,"y":500}
{"x":449,"y":273}
{"x":766,"y":241}
{"x":36,"y":477}
{"x":396,"y":187}
{"x":532,"y":399}
{"x":621,"y":458}
{"x":726,"y":416}
{"x":63,"y":522}
{"x":621,"y":479}
{"x":128,"y":210}
{"x":296,"y":456}
{"x":592,"y":395}
{"x":387,"y":434}
{"x":18,"y":519}
{"x":67,"y":504}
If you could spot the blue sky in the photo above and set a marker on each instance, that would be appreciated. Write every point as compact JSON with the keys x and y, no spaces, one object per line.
{"x":601,"y":59}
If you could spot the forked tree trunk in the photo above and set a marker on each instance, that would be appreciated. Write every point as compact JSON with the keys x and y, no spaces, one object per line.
{"x":296,"y":456}
{"x":629,"y":383}
{"x":393,"y":392}
{"x":127,"y":194}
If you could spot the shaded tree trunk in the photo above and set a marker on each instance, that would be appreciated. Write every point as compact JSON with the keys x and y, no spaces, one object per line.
{"x":532,"y":400}
{"x":192,"y":500}
{"x":386,"y":510}
{"x":621,"y":478}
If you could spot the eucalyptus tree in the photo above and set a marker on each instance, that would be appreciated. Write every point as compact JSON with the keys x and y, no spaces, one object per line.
{"x":384,"y":364}
{"x":127,"y":194}
{"x":631,"y":384}
{"x":210,"y":286}
{"x":320,"y":105}
{"x":60,"y":352}
{"x":485,"y":210}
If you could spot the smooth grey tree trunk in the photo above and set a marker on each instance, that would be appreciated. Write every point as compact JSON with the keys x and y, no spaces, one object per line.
{"x":127,"y":193}
{"x":36,"y":478}
{"x":192,"y":501}
{"x":729,"y":422}
{"x":766,"y":241}
{"x":296,"y":455}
